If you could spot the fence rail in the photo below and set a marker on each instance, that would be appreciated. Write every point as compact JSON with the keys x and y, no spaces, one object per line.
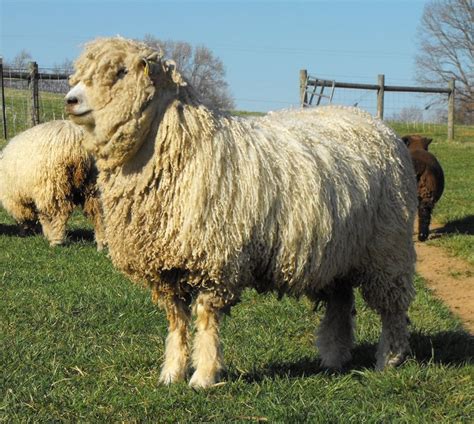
{"x":24,"y":75}
{"x":307,"y":93}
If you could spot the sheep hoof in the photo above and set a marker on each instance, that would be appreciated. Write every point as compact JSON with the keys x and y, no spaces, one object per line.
{"x":55,"y":243}
{"x":199,"y":381}
{"x":422,"y":236}
{"x":333,"y":366}
{"x":391,"y":360}
{"x":168,"y":377}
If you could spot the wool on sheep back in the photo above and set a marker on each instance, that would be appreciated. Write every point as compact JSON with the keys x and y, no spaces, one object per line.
{"x":200,"y":205}
{"x":44,"y":173}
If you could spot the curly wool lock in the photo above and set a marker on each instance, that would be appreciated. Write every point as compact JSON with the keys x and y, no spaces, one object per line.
{"x":201,"y":205}
{"x":44,"y":173}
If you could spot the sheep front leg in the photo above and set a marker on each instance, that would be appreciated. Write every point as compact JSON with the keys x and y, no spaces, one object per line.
{"x":54,"y":229}
{"x":176,"y":351}
{"x":93,"y":211}
{"x":207,"y":354}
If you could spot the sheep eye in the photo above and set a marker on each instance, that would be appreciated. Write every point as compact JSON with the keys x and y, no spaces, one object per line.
{"x":121,"y":73}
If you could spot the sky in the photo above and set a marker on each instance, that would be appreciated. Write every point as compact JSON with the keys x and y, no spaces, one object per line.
{"x":263,"y":44}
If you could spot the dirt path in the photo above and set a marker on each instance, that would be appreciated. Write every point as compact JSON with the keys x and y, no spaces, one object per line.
{"x":450,"y":278}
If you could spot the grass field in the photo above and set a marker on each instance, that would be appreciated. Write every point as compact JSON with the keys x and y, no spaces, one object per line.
{"x":81,"y":343}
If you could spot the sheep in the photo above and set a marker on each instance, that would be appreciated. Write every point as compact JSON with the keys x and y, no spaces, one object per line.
{"x":199,"y":205}
{"x":430,"y":179}
{"x":44,"y":173}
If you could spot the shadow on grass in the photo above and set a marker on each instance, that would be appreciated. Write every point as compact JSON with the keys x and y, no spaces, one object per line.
{"x":14,"y":230}
{"x":78,"y":235}
{"x":459,"y":226}
{"x":449,"y":348}
{"x":10,"y":230}
{"x":445,"y":347}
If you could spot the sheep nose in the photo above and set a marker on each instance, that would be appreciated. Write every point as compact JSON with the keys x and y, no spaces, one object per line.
{"x":75,"y":95}
{"x":72,"y":100}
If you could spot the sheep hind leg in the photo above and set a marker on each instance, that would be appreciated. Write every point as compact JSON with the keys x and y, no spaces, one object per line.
{"x":424,"y":219}
{"x":391,"y":300}
{"x":393,"y":345}
{"x":24,"y":214}
{"x":336,"y":333}
{"x":207,"y":354}
{"x":176,"y":351}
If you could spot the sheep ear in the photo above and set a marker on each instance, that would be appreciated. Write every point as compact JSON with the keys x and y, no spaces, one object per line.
{"x":406,"y":140}
{"x":150,"y":65}
{"x":428,"y":142}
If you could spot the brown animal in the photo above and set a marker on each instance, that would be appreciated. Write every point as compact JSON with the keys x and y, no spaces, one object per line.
{"x":430,"y":178}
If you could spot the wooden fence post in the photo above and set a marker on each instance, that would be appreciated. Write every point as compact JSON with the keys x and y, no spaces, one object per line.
{"x":303,"y":80}
{"x":4,"y":115}
{"x":33,"y":80}
{"x":380,"y":95}
{"x":452,"y":89}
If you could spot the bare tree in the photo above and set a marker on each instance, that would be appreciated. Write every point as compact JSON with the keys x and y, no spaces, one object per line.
{"x":409,"y":114}
{"x":20,"y":61}
{"x":65,"y":67}
{"x":204,"y":71}
{"x":446,"y":49}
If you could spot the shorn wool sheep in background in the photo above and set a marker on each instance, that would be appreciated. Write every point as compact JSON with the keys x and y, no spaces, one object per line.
{"x":430,"y":178}
{"x":44,"y":173}
{"x":200,"y":205}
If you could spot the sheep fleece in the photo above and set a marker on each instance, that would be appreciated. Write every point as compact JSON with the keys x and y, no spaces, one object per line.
{"x":286,"y":202}
{"x":45,"y":171}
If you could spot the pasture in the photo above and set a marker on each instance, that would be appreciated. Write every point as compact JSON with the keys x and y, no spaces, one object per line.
{"x":81,"y":343}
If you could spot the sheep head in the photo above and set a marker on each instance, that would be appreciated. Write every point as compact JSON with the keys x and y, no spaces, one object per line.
{"x":114,"y":83}
{"x":417,"y":142}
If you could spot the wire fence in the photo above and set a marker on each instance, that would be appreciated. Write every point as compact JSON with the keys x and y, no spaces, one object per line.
{"x":415,"y":106}
{"x":31,"y":96}
{"x":415,"y":110}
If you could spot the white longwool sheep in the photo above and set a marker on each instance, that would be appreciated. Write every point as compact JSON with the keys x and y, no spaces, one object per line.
{"x":44,"y":173}
{"x":201,"y":205}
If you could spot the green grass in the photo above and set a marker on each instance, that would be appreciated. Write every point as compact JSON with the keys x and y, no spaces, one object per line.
{"x":81,"y":343}
{"x":439,"y":132}
{"x":244,"y":113}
